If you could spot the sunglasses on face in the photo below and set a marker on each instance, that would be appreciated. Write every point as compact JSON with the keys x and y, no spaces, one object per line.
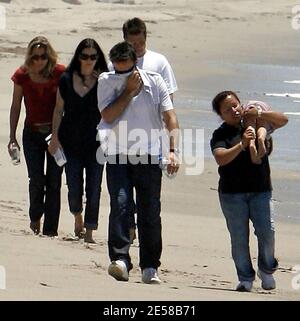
{"x":84,"y":56}
{"x":38,"y":57}
{"x":125,"y":71}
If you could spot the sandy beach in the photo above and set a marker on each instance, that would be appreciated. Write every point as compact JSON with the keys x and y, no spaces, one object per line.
{"x":196,"y":258}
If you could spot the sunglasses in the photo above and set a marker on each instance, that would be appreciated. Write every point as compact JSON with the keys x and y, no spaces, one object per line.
{"x":84,"y":56}
{"x":42,"y":57}
{"x":125,"y":71}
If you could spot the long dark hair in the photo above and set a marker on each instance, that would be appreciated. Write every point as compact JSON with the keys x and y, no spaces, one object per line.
{"x":75,"y":65}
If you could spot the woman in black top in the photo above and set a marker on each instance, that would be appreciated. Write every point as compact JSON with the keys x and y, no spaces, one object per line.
{"x":245,"y":189}
{"x":75,"y":119}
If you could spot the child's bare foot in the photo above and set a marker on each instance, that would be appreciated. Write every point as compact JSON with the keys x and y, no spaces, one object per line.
{"x":261,"y":147}
{"x":253,"y":153}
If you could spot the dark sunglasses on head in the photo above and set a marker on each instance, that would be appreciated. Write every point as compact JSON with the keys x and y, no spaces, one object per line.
{"x":84,"y":56}
{"x":37,"y":57}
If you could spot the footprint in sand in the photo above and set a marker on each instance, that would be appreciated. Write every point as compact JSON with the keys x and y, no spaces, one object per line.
{"x":16,"y":50}
{"x":117,"y":1}
{"x":9,"y":205}
{"x":72,"y":1}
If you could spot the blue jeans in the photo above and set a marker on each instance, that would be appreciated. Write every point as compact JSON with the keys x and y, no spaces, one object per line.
{"x":146,"y":179}
{"x":239,"y":209}
{"x":44,"y":187}
{"x":75,"y":180}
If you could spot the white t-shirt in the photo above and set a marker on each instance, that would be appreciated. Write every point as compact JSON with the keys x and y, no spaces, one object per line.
{"x":156,"y":62}
{"x":139,"y":128}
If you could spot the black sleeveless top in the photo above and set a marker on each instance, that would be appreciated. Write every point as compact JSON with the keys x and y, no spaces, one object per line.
{"x":77,"y":132}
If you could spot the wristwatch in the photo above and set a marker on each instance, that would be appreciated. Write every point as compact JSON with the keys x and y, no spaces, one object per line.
{"x":175,"y":150}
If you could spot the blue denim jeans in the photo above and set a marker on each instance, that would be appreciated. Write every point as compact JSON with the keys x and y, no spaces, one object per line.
{"x":44,"y":186}
{"x":74,"y":168}
{"x":239,"y":209}
{"x":146,"y":179}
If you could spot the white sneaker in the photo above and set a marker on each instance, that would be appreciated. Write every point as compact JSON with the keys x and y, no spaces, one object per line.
{"x":118,"y":270}
{"x":149,"y":276}
{"x":244,"y":286}
{"x":267,"y":280}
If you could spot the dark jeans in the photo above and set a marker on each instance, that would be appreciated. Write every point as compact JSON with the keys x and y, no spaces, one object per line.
{"x":146,"y":179}
{"x":132,"y":220}
{"x":75,"y":181}
{"x":44,"y":188}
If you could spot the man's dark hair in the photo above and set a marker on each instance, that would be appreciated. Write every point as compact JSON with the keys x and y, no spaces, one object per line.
{"x":134,"y":26}
{"x":122,"y":51}
{"x":216,"y":102}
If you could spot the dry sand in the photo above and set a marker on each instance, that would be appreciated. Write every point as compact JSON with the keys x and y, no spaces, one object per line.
{"x":196,"y":260}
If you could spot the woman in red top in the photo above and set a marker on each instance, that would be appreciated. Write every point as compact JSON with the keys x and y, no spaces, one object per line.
{"x":37,"y":81}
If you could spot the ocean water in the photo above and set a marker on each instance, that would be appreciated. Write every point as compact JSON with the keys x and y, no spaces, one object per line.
{"x":279,"y":86}
{"x":276,"y":85}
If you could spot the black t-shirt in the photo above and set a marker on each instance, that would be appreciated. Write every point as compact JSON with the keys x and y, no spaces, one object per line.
{"x":77,"y":132}
{"x":240,"y":175}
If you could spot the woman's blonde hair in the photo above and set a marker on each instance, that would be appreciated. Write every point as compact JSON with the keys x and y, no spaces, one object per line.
{"x":37,"y":42}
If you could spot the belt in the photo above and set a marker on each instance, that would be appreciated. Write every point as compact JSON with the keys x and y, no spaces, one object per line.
{"x":40,"y":128}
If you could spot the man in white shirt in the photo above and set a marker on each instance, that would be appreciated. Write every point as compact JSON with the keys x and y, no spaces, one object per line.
{"x":134,"y":103}
{"x":135,"y":32}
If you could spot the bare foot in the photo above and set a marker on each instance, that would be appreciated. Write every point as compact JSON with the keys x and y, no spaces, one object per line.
{"x":35,"y":227}
{"x":261,"y":147}
{"x":254,"y":155}
{"x":78,"y":229}
{"x":88,"y":237}
{"x":132,"y":234}
{"x":80,"y":233}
